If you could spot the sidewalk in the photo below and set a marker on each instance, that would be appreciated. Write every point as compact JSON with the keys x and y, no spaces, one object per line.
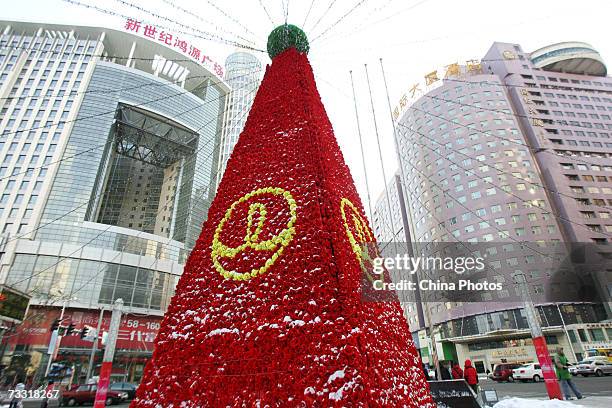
{"x":588,"y":402}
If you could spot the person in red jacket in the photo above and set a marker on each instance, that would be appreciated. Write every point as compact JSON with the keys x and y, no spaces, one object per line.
{"x":470,"y":375}
{"x":456,"y":371}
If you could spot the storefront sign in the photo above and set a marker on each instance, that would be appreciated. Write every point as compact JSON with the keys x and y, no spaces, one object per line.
{"x":433,"y":80}
{"x":173,"y":41}
{"x":136,"y":333}
{"x":599,"y":345}
{"x":509,"y":353}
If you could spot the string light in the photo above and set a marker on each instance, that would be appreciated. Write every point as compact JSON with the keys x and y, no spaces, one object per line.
{"x":206,"y":36}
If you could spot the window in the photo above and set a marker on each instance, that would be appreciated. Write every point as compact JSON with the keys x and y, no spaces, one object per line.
{"x":597,"y":335}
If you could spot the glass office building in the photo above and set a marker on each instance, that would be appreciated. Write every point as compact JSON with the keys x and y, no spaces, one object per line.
{"x":243,"y":75}
{"x":109,"y":153}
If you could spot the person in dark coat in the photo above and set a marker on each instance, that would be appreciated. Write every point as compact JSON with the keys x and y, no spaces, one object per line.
{"x":471,"y":375}
{"x":425,"y":372}
{"x":444,"y":373}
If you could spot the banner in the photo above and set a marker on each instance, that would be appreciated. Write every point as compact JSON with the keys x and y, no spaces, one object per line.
{"x":136,"y":332}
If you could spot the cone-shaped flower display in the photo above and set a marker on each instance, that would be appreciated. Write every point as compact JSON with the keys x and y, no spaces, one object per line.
{"x":268,"y":311}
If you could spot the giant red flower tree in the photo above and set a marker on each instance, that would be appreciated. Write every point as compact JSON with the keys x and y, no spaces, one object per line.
{"x":268,"y":311}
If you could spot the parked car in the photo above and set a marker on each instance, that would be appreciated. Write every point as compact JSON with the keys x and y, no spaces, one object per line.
{"x":572,"y":368}
{"x":125,"y":387}
{"x":503,"y":372}
{"x":528,"y":372}
{"x":600,"y":352}
{"x":594,"y":366}
{"x":86,"y":393}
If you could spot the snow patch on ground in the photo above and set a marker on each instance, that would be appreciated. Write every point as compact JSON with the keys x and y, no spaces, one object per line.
{"x":529,"y":403}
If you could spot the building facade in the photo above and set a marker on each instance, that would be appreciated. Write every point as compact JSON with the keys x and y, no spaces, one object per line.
{"x":512,"y":151}
{"x":243,"y":74}
{"x":109,"y":153}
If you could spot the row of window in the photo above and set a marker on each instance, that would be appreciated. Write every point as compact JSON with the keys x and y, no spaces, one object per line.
{"x":568,"y":81}
{"x":584,"y":167}
{"x":587,"y":178}
{"x":585,"y":143}
{"x":482,"y":212}
{"x":590,"y":190}
{"x":515,"y":219}
{"x":582,"y":115}
{"x":600,"y":202}
{"x":519,"y":231}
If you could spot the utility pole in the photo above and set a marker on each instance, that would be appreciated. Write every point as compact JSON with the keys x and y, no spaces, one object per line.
{"x":94,"y":348}
{"x":569,"y":339}
{"x":434,"y":348}
{"x":539,"y":341}
{"x":109,"y":353}
{"x":406,"y":216}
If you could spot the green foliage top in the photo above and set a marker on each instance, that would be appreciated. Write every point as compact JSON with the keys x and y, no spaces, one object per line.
{"x":284,"y":37}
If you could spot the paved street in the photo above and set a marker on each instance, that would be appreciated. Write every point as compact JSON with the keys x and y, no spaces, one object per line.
{"x":590,"y":386}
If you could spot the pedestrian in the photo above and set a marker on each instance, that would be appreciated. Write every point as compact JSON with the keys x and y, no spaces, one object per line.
{"x":456,"y":371}
{"x":564,"y":376}
{"x":425,"y":372}
{"x":18,"y":395}
{"x":471,"y":375}
{"x":444,"y":373}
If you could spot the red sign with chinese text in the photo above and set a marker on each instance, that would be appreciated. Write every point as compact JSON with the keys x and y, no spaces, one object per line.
{"x":136,"y":332}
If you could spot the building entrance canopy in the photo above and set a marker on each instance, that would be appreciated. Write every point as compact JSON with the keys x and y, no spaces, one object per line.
{"x":145,"y":137}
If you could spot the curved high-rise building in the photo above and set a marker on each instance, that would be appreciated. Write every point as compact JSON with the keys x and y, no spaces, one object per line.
{"x":109,"y":152}
{"x":243,"y":75}
{"x":512,"y":151}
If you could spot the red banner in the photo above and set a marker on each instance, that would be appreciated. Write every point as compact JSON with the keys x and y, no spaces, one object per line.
{"x":548,"y":369}
{"x":136,"y":332}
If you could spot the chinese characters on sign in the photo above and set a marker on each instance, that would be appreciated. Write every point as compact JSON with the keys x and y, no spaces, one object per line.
{"x":432,"y":80}
{"x":532,"y":111}
{"x":173,"y":41}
